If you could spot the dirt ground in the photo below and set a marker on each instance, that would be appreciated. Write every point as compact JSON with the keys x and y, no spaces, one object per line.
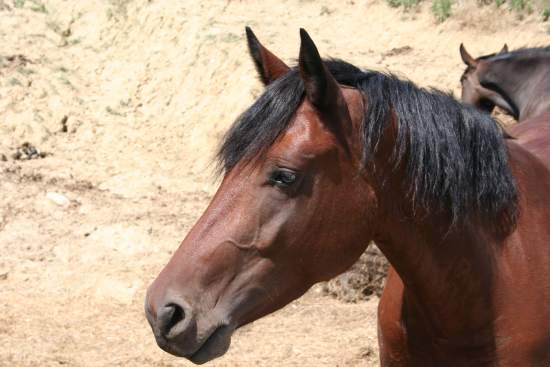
{"x":126,"y":102}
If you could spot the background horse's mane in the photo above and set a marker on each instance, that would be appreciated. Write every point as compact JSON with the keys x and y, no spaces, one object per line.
{"x":518,"y":53}
{"x":454,"y":157}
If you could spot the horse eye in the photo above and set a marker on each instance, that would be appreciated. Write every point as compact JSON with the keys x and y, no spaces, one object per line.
{"x":282,"y":177}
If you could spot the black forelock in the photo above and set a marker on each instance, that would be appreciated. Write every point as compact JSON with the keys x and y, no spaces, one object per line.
{"x":454,"y":156}
{"x":257,"y":128}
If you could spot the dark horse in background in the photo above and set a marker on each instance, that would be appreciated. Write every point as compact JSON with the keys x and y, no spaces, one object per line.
{"x":327,"y":159}
{"x":516,"y":81}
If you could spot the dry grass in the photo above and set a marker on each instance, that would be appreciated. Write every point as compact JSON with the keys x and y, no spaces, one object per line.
{"x":365,"y":279}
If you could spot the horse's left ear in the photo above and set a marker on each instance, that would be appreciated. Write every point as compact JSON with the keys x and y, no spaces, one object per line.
{"x":269,"y":66}
{"x":322,"y":90}
{"x":504,"y":49}
{"x":466,"y":57}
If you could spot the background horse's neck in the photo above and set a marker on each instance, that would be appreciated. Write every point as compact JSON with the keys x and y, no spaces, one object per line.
{"x":526,"y":82}
{"x":539,"y":101}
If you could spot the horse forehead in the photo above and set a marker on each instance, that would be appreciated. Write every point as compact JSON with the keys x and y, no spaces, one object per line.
{"x":307,"y":134}
{"x":468,"y":71}
{"x":471,"y":71}
{"x":483,"y":66}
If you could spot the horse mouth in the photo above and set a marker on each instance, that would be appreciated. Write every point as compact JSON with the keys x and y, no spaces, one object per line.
{"x":214,"y":346}
{"x":486,"y":105}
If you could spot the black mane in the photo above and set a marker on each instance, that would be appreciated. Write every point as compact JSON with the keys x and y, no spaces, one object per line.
{"x":455,"y":158}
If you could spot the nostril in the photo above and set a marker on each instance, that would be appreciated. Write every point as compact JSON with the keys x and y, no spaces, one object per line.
{"x":178,"y":314}
{"x":171,"y":316}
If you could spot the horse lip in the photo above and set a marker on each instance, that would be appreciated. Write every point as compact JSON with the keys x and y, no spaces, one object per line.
{"x":196,"y":357}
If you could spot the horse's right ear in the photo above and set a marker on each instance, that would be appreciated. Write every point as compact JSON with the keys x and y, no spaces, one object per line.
{"x":504,"y":49}
{"x":321,"y":88}
{"x":466,"y":57}
{"x":269,"y":66}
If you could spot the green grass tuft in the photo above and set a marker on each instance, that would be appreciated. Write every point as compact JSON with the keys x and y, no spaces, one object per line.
{"x":38,"y":7}
{"x":406,"y":4}
{"x":518,"y":5}
{"x":15,"y":81}
{"x":441,"y":9}
{"x":545,"y":13}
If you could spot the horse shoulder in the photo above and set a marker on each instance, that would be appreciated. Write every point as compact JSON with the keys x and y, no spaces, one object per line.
{"x":392,"y":337}
{"x":521,"y":285}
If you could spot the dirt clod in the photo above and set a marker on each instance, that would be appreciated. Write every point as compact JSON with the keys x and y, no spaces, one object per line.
{"x":27,"y":151}
{"x":398,"y":51}
{"x":64,"y":127}
{"x":18,"y":60}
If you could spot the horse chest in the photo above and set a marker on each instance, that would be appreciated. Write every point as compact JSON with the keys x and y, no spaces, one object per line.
{"x":512,"y":340}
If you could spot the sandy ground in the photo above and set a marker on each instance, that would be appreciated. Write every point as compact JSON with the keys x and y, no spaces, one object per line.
{"x":128,"y":100}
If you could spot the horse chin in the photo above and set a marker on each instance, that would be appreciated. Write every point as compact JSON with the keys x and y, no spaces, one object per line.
{"x":215,"y":345}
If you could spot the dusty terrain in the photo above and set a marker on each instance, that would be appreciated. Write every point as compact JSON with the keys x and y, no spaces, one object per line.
{"x":126,"y":101}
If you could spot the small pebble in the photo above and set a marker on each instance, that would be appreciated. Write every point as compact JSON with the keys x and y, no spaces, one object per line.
{"x":58,"y":199}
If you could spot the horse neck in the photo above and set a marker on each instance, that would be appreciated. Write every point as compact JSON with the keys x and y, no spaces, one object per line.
{"x":526,"y":82}
{"x":447,"y":274}
{"x":538,"y":102}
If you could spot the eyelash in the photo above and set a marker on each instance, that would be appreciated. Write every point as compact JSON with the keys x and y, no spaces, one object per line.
{"x":283,"y":178}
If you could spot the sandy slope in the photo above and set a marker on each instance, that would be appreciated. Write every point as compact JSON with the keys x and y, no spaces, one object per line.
{"x":147,"y":89}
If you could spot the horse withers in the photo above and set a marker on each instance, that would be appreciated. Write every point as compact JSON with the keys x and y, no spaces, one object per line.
{"x":517,"y":81}
{"x":331,"y":157}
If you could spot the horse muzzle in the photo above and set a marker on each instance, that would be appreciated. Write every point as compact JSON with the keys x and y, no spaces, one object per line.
{"x":178,"y":331}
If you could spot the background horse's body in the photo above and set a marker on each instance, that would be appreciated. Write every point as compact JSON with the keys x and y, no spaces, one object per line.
{"x":532,"y":134}
{"x":331,"y":157}
{"x":517,"y":81}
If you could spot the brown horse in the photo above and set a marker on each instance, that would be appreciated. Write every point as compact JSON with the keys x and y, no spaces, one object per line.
{"x":516,"y":81}
{"x":330,"y":158}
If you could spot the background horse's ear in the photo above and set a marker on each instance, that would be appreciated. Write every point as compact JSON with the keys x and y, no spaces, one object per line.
{"x":466,"y":57}
{"x":269,"y":66}
{"x":322,"y":90}
{"x":504,"y":49}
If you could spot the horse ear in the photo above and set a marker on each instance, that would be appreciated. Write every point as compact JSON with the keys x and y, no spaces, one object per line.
{"x":321,"y":88}
{"x":504,"y":49}
{"x":269,"y":66}
{"x":466,"y":57}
